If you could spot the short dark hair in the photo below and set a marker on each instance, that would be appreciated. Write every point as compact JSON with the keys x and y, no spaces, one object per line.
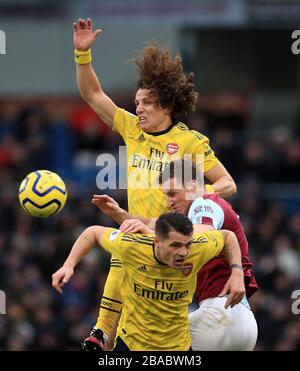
{"x":182,"y":169}
{"x":173,"y":221}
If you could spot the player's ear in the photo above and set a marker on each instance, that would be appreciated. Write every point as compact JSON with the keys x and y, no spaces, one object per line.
{"x":156,"y":240}
{"x":167,"y":111}
{"x":192,"y":185}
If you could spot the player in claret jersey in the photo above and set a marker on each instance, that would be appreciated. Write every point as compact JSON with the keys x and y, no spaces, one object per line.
{"x":212,"y":326}
{"x":154,"y":135}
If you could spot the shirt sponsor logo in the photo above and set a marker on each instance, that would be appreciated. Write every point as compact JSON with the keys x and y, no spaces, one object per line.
{"x":153,"y":294}
{"x":148,"y":164}
{"x":172,"y":148}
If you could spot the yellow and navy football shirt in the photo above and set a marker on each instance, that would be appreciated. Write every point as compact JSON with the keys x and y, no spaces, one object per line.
{"x":156,"y":296}
{"x":148,"y":154}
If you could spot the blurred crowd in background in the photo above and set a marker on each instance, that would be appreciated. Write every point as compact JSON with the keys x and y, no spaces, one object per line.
{"x":65,"y":136}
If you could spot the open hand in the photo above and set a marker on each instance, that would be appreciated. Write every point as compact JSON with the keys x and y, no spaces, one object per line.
{"x":235,"y":287}
{"x":106,"y":204}
{"x":84,"y":37}
{"x":134,"y":226}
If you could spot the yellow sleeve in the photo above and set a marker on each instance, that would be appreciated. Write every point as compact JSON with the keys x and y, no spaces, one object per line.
{"x":201,"y":146}
{"x":210,"y":160}
{"x":111,"y":241}
{"x":124,"y":122}
{"x":212,"y":244}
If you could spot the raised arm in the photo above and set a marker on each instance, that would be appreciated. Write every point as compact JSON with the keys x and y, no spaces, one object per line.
{"x":234,"y":287}
{"x":81,"y":247}
{"x":88,"y":83}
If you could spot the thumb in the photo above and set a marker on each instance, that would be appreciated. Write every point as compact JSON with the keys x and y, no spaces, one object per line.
{"x":96,"y":34}
{"x":67,"y":277}
{"x":223,"y":292}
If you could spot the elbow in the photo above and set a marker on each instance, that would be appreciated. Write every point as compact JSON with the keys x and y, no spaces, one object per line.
{"x":90,"y":234}
{"x":84,"y":96}
{"x":89,"y":93}
{"x":233,"y":188}
{"x":87,"y":96}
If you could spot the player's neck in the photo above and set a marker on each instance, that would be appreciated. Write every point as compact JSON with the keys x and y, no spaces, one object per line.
{"x":200,"y":192}
{"x":193,"y":195}
{"x":162,"y":127}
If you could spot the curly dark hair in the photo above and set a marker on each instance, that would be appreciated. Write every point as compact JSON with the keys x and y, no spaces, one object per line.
{"x":164,"y":76}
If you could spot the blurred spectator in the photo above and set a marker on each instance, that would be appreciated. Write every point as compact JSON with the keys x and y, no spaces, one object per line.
{"x":89,"y":130}
{"x":32,"y":130}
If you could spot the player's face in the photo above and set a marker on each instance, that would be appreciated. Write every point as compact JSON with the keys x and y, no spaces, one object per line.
{"x":175,"y":249}
{"x":152,"y":118}
{"x":178,"y":197}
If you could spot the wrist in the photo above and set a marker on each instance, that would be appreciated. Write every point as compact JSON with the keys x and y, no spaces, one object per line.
{"x":83,"y":56}
{"x":119,"y":215}
{"x":69,"y":265}
{"x":236,"y":267}
{"x":122,"y":213}
{"x":209,"y":188}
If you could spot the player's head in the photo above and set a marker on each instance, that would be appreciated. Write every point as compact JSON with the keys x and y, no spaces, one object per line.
{"x":182,"y":182}
{"x":174,"y":235}
{"x":164,"y":92}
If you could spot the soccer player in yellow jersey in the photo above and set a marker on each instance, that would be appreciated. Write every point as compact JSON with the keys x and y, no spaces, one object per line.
{"x":160,"y":278}
{"x":164,"y":99}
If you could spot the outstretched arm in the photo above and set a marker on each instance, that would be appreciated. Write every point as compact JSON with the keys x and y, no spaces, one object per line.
{"x":235,"y":286}
{"x":81,"y":247}
{"x":110,"y":207}
{"x":88,"y":83}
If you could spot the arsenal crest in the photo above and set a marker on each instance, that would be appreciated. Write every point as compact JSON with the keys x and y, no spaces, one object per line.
{"x":172,"y":148}
{"x":186,"y":268}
